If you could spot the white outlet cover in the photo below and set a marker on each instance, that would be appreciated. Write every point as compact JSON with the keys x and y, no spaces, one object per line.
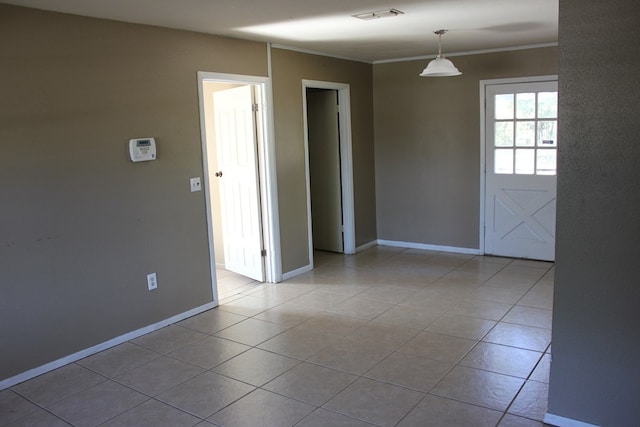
{"x":195,"y":184}
{"x":152,"y":281}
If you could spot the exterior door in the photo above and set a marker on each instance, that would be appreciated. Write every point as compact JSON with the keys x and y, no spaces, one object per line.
{"x":236,"y":147}
{"x":324,"y":169}
{"x":521,"y":144}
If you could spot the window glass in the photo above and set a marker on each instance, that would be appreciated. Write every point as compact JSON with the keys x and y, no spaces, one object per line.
{"x":525,"y":161}
{"x":547,"y":133}
{"x":525,"y":105}
{"x":503,"y":134}
{"x":503,"y":161}
{"x":546,"y":162}
{"x":504,"y":106}
{"x":526,"y":133}
{"x":548,"y":105}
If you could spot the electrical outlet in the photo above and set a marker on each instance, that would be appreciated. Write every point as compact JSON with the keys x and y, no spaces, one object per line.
{"x":152,"y":281}
{"x":195,"y":184}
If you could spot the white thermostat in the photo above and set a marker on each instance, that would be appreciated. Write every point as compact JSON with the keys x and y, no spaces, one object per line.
{"x":142,"y":149}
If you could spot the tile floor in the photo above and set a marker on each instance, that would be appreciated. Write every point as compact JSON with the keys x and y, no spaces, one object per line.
{"x":388,"y":337}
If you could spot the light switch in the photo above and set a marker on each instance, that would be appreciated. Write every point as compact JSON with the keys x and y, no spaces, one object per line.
{"x":195,"y":184}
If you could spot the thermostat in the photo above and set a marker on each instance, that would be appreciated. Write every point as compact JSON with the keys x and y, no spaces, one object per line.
{"x":142,"y":149}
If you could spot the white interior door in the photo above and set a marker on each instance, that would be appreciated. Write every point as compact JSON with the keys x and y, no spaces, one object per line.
{"x":521,"y":144}
{"x":236,"y":148}
{"x":324,"y":169}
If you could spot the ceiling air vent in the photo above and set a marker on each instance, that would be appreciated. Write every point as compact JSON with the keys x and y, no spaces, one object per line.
{"x":387,"y":13}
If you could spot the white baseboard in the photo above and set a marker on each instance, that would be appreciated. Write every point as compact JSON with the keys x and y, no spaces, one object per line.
{"x":424,"y":246}
{"x":557,"y":420}
{"x":288,"y":275}
{"x":366,"y":246}
{"x":32,"y":373}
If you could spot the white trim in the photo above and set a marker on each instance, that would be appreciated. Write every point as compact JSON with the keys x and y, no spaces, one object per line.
{"x":288,"y":275}
{"x":32,"y":373}
{"x":366,"y":246}
{"x":266,"y":169}
{"x":307,"y":179}
{"x":471,"y":52}
{"x":483,"y":160}
{"x":272,"y":222}
{"x":412,"y":58}
{"x":424,"y":246}
{"x":557,"y":420}
{"x":483,"y":165}
{"x":318,"y":53}
{"x":346,"y":162}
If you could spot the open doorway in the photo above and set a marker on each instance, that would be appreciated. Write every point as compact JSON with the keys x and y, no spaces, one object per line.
{"x":239,"y":181}
{"x":325,"y":181}
{"x":327,"y":122}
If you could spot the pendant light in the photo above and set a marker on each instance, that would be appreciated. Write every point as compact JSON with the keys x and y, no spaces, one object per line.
{"x":441,"y":66}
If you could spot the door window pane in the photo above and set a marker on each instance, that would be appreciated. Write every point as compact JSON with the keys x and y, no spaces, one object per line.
{"x":525,"y":134}
{"x":525,"y":161}
{"x":546,"y":162}
{"x":504,"y":134}
{"x":548,"y":105}
{"x":547,"y":133}
{"x":503,"y":161}
{"x":525,"y":105}
{"x":504,"y":106}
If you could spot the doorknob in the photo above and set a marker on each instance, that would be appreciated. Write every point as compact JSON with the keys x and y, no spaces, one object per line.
{"x":219,"y":174}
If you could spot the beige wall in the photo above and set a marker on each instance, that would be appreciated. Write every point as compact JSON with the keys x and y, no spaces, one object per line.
{"x":289,"y":69}
{"x":80,"y":225}
{"x":427,"y":151}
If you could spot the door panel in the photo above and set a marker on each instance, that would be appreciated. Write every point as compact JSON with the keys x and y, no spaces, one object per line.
{"x":239,"y":192}
{"x":520,"y":152}
{"x":324,"y":169}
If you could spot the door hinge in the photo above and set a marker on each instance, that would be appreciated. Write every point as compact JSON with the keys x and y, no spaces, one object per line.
{"x":263,"y":252}
{"x":254,"y":107}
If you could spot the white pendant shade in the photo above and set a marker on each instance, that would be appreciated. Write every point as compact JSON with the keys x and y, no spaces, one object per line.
{"x":440,"y":67}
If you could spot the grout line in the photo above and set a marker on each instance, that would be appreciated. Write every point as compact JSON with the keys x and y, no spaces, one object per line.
{"x":376,"y":264}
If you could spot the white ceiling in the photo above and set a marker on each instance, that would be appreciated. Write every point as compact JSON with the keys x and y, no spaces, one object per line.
{"x":326,"y":26}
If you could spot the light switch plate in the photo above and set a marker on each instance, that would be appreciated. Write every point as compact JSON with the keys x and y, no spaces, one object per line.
{"x":195,"y":184}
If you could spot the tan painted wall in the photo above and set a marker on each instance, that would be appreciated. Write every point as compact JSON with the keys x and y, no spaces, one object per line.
{"x":80,"y":225}
{"x":427,"y":151}
{"x":289,"y":69}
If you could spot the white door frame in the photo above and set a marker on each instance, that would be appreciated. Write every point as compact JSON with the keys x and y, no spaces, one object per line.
{"x":267,"y":173}
{"x":346,"y":162}
{"x":483,"y":163}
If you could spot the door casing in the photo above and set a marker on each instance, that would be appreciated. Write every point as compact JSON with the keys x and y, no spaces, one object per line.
{"x":324,"y":170}
{"x":346,"y":163}
{"x":483,"y":162}
{"x":267,"y":172}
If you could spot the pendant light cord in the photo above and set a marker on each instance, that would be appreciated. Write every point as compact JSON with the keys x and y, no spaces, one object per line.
{"x":440,"y":33}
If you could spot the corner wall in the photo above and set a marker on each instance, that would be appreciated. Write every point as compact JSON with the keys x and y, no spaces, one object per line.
{"x":289,"y":69}
{"x":427,"y":150}
{"x":595,"y":375}
{"x":80,"y":225}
